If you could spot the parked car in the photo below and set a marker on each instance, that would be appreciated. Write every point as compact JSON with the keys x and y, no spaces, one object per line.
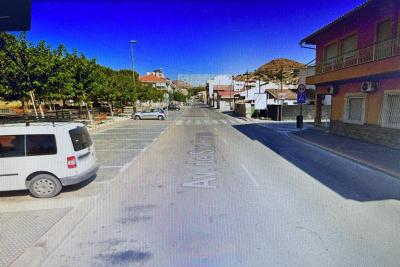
{"x":44,"y":157}
{"x":173,"y":107}
{"x":152,"y":114}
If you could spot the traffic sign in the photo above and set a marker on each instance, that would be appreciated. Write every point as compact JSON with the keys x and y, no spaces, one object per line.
{"x":301,"y":98}
{"x":301,"y":89}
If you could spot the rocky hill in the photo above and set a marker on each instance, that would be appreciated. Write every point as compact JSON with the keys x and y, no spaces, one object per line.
{"x":272,"y":71}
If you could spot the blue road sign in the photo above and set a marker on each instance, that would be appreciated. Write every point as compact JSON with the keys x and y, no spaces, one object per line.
{"x":301,"y":98}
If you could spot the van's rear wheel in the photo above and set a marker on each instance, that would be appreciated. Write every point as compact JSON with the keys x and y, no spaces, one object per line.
{"x":44,"y":186}
{"x":160,"y":118}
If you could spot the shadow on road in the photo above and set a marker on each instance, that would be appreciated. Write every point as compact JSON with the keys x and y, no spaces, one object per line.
{"x":346,"y":178}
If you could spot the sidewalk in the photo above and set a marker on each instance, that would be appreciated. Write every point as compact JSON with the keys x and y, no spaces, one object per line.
{"x":381,"y":158}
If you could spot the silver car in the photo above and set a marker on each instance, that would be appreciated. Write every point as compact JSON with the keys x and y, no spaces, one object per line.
{"x":152,"y":114}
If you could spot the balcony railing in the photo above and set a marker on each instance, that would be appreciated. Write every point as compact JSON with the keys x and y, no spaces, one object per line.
{"x":371,"y":53}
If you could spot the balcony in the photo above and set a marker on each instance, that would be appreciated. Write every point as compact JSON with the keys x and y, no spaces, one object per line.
{"x":359,"y":63}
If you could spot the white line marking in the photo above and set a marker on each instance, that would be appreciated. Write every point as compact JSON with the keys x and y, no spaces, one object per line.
{"x":179,"y":122}
{"x":226,"y":142}
{"x":250,"y":176}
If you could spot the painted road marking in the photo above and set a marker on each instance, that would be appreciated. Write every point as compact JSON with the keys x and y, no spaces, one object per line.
{"x":203,"y":162}
{"x":226,"y":142}
{"x":250,"y":175}
{"x":179,"y":122}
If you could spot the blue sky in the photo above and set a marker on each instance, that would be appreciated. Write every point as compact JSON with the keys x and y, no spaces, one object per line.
{"x":185,"y":37}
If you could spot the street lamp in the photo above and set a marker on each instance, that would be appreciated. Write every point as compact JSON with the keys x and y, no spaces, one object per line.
{"x":132,"y":44}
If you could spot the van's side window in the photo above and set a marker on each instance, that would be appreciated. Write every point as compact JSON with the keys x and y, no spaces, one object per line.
{"x":40,"y":145}
{"x":12,"y":146}
{"x":80,"y":138}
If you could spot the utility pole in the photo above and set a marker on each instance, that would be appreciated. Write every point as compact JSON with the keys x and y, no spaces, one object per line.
{"x":246,"y":84}
{"x":132,"y":44}
{"x":282,"y":101}
{"x":230,"y":92}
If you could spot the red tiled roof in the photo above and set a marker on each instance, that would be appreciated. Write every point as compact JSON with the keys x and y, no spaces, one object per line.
{"x":226,"y":94}
{"x":222,"y":87}
{"x":152,"y":79}
{"x":287,"y":94}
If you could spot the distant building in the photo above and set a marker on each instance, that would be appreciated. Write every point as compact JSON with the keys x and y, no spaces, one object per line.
{"x":157,"y":80}
{"x":358,"y":66}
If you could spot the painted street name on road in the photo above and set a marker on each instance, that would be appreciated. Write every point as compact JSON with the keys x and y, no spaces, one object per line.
{"x":203,"y":161}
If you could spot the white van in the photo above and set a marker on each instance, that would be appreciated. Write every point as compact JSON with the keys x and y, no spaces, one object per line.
{"x":43,"y":157}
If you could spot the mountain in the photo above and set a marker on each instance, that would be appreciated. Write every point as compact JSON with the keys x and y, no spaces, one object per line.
{"x":272,"y":71}
{"x":182,"y":84}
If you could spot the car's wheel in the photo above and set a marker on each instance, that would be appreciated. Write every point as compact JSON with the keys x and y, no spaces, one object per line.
{"x":137,"y":117}
{"x":44,"y":186}
{"x":160,"y":118}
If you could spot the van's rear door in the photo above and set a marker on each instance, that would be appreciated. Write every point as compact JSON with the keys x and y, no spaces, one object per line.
{"x":84,"y":148}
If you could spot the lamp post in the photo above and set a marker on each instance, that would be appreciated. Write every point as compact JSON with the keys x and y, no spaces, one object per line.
{"x":132,"y":44}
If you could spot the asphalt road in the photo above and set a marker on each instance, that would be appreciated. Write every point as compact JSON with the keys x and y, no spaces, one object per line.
{"x":25,"y":220}
{"x":216,"y":191}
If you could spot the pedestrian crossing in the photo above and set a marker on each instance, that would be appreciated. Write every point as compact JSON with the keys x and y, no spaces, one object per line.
{"x":200,"y":122}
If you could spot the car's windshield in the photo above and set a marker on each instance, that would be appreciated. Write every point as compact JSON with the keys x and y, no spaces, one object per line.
{"x":183,"y":133}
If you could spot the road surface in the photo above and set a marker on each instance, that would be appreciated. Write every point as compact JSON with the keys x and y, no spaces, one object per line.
{"x":217,"y":191}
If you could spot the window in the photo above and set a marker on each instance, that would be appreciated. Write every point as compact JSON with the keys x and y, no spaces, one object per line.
{"x":384,"y":31}
{"x":348,"y":50}
{"x":330,"y":57}
{"x":354,"y":109}
{"x":391,"y":109}
{"x":41,"y":145}
{"x":80,"y":138}
{"x":330,"y":52}
{"x":12,"y":146}
{"x":384,"y":46}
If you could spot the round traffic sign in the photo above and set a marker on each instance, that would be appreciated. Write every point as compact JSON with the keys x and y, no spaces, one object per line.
{"x":302,"y":88}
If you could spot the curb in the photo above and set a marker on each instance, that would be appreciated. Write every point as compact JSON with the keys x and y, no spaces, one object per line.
{"x":346,"y":156}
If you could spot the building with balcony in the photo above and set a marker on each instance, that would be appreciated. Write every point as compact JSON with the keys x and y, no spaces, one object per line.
{"x":358,"y":65}
{"x":157,"y":80}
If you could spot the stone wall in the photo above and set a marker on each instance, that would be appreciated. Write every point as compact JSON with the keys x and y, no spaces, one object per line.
{"x":369,"y":133}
